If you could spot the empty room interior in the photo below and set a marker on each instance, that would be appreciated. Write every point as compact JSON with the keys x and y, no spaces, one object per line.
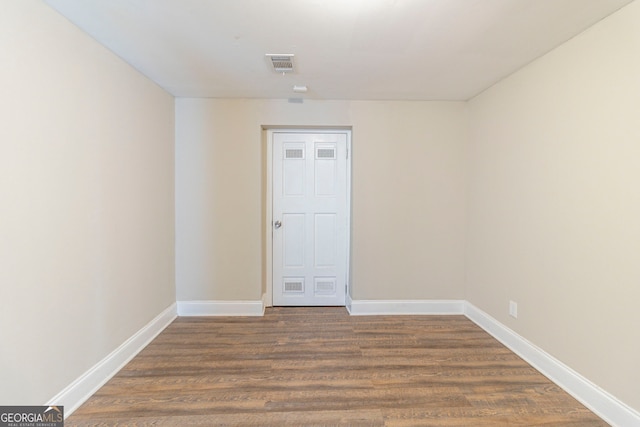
{"x":478,"y":163}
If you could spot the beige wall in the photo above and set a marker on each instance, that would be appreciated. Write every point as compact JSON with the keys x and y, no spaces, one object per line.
{"x":408,"y":193}
{"x":554,"y":216}
{"x":86,"y":202}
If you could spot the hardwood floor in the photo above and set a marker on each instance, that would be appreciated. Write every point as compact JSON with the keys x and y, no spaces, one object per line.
{"x":322,"y":367}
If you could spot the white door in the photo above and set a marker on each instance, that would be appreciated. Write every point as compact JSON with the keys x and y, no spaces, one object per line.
{"x":310,"y":218}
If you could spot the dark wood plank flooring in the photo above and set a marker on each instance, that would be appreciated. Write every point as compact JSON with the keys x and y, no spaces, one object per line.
{"x":321,"y":367}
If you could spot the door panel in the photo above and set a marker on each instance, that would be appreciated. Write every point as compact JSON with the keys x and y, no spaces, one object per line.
{"x":325,"y":240}
{"x":310,"y":214}
{"x":294,"y":240}
{"x":325,"y":170}
{"x":293,"y":169}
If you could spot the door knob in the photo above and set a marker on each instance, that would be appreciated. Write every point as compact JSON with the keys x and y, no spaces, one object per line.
{"x":277,"y":224}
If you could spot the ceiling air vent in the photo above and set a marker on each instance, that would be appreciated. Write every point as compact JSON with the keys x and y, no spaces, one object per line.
{"x":281,"y":62}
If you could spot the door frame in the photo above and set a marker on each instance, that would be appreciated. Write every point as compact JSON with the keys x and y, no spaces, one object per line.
{"x":268,"y":131}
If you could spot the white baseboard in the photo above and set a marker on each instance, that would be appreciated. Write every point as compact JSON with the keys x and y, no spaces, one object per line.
{"x":220,"y":308}
{"x":398,"y":307}
{"x":593,"y":397}
{"x":76,"y":393}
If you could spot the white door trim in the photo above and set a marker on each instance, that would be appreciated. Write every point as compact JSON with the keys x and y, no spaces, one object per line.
{"x":268,"y":216}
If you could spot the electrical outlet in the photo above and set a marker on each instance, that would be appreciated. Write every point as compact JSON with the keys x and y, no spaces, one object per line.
{"x":513,"y":309}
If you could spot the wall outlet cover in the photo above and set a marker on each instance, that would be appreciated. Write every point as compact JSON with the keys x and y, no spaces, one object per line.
{"x":513,"y":309}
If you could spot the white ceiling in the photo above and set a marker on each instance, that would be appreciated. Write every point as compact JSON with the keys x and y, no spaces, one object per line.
{"x":344,"y":49}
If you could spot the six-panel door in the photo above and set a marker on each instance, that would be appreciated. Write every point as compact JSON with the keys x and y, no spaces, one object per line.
{"x":309,"y":218}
